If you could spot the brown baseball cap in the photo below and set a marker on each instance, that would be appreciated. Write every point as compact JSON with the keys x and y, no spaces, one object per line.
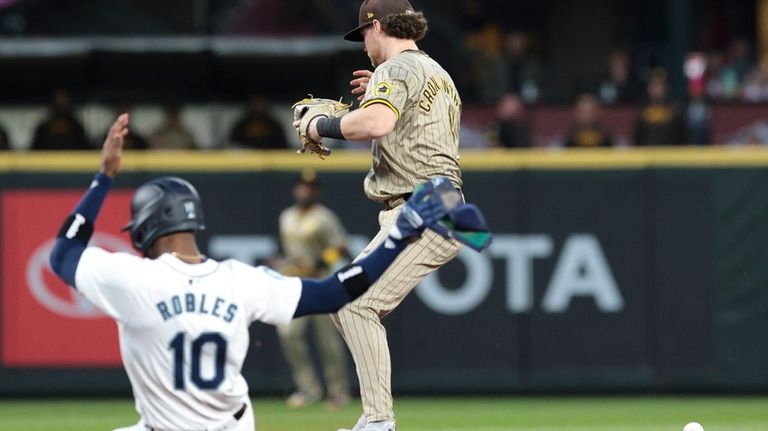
{"x":376,"y":9}
{"x":308,"y":177}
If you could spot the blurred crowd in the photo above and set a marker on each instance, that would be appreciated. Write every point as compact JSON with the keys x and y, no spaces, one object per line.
{"x":714,"y":79}
{"x":61,"y":129}
{"x":502,"y":72}
{"x":655,"y":121}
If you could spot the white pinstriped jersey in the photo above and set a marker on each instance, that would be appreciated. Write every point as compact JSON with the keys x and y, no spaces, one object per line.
{"x":425,"y":141}
{"x":184,"y":329}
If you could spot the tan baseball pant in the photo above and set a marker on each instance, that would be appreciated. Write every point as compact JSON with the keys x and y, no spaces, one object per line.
{"x":293,"y":338}
{"x":360,"y":321}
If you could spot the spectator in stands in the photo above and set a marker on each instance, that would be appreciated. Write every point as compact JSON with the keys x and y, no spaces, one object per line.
{"x":698,"y":114}
{"x":5,"y":144}
{"x":133,"y":140}
{"x":739,"y":63}
{"x":699,"y":118}
{"x":620,"y":85}
{"x":510,"y":129}
{"x":714,"y":73}
{"x":481,"y":51}
{"x":751,"y":134}
{"x":258,"y":129}
{"x":660,"y":122}
{"x":522,"y":71}
{"x":60,"y":130}
{"x":587,"y":131}
{"x":755,"y":87}
{"x":172,"y":135}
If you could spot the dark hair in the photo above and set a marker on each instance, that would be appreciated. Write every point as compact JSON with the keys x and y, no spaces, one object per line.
{"x":411,"y":25}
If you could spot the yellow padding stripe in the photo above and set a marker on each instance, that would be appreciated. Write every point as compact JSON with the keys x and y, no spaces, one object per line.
{"x":360,"y":161}
{"x":383,"y":102}
{"x":190,"y":161}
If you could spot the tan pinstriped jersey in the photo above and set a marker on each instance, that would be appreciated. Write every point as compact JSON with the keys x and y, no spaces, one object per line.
{"x":305,"y":234}
{"x":425,"y":141}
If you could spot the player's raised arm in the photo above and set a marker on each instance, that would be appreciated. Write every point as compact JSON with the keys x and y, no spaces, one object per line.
{"x":78,"y":227}
{"x":112,"y":149}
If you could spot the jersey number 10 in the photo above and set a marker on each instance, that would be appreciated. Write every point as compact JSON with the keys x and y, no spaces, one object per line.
{"x":195,"y":374}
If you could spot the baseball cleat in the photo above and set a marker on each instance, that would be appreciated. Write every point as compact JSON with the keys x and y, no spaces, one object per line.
{"x":380,"y":426}
{"x":358,"y":426}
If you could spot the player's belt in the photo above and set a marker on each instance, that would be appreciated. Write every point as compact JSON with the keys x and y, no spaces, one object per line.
{"x":399,"y":200}
{"x":396,"y":201}
{"x":238,"y":414}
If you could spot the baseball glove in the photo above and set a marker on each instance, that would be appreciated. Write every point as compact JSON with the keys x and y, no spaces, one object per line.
{"x":309,"y":108}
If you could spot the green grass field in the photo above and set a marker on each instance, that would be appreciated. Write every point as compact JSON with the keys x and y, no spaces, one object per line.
{"x":433,"y":414}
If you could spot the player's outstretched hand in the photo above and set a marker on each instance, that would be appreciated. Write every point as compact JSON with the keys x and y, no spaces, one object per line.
{"x":465,"y":223}
{"x":429,"y":203}
{"x":360,"y":84}
{"x":112,"y":150}
{"x":439,"y":206}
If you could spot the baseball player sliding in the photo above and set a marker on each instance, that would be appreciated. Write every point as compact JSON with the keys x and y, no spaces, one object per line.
{"x":182,"y":317}
{"x":410,"y":109}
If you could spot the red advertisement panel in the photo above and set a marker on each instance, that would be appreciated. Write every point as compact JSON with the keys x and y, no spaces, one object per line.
{"x":46,"y":323}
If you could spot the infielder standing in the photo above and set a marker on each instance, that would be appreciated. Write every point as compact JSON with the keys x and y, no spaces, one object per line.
{"x":182,"y":317}
{"x":314,"y":243}
{"x":410,"y":109}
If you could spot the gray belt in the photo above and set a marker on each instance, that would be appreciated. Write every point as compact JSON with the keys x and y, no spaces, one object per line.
{"x":396,"y":201}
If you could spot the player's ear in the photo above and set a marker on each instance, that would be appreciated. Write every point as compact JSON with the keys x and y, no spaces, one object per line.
{"x":376,"y":26}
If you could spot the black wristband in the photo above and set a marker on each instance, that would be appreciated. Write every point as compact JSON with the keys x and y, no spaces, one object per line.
{"x":329,"y":128}
{"x":76,"y":227}
{"x":354,"y":279}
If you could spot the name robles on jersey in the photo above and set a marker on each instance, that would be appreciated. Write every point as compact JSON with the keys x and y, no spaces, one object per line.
{"x":199,"y":316}
{"x":193,"y":303}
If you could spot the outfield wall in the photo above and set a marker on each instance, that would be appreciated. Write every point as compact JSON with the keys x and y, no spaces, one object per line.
{"x":625,"y":270}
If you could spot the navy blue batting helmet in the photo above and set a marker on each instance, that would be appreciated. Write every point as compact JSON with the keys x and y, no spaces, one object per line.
{"x":163,"y":206}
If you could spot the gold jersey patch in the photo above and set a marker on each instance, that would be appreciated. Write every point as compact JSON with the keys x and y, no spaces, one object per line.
{"x":382,"y":88}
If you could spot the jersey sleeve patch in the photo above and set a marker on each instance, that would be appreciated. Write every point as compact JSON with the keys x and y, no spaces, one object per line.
{"x":382,"y":88}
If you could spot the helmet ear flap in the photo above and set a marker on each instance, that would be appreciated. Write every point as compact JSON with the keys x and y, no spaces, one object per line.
{"x":138,"y":236}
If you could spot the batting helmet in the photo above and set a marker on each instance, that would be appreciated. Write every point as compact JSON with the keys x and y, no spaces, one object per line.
{"x":162,"y":206}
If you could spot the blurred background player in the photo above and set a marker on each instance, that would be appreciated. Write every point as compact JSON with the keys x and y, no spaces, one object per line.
{"x":314,"y":244}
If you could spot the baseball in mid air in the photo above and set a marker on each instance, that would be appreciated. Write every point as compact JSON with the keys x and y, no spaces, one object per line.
{"x":693,"y":426}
